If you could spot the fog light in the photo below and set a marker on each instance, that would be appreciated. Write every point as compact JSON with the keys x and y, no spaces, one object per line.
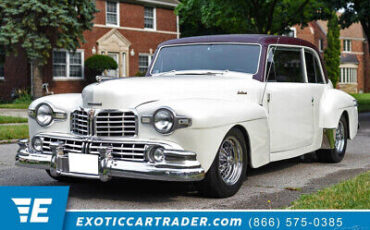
{"x":37,"y":144}
{"x":155,"y":154}
{"x":158,"y":154}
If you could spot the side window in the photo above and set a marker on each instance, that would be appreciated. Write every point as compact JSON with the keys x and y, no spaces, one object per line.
{"x":313,"y":68}
{"x":285,"y":65}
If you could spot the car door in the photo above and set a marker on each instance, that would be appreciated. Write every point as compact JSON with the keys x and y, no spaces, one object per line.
{"x":288,"y":100}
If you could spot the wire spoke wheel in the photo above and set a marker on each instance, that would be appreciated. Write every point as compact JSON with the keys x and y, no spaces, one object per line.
{"x":340,"y":137}
{"x":230,"y":165}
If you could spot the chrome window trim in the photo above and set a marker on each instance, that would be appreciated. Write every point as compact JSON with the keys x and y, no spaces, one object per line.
{"x":210,"y":43}
{"x":299,"y":47}
{"x":319,"y":62}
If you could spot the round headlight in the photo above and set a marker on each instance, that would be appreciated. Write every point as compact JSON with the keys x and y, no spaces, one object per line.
{"x":44,"y":115}
{"x":163,"y":121}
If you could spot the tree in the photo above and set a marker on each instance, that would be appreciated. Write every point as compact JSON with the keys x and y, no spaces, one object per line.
{"x":199,"y":17}
{"x":38,"y":26}
{"x":332,"y":52}
{"x":354,"y":11}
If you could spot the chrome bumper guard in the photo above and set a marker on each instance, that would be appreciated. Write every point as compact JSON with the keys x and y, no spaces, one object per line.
{"x":177,"y":165}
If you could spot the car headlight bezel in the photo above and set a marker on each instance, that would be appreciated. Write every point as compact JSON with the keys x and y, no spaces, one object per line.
{"x":167,"y":116}
{"x":56,"y":115}
{"x":179,"y":121}
{"x":49,"y":113}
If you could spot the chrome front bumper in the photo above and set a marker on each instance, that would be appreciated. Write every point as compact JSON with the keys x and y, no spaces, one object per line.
{"x":178,"y":165}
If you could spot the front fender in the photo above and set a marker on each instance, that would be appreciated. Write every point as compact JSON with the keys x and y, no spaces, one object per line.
{"x":211,"y":120}
{"x":333,"y":105}
{"x":65,"y":102}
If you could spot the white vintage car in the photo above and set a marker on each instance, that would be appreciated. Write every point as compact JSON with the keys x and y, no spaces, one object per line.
{"x":209,"y":108}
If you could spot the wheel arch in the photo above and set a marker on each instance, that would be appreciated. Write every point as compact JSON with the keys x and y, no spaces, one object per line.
{"x":335,"y":104}
{"x":247,"y":141}
{"x":345,"y":113}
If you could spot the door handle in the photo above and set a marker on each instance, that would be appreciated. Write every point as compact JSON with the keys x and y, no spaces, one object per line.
{"x":268,"y":97}
{"x":313,"y":100}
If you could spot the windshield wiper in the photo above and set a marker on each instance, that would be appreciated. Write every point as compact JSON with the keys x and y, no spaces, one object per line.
{"x":204,"y":73}
{"x":164,"y":73}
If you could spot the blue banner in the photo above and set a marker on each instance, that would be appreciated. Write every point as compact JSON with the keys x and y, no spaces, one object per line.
{"x":36,"y":207}
{"x":45,"y":208}
{"x":208,"y":220}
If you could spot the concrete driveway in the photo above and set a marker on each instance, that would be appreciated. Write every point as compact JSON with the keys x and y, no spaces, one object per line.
{"x":279,"y":182}
{"x":14,"y":112}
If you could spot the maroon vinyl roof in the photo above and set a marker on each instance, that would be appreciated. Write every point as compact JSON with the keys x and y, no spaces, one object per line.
{"x":262,"y":39}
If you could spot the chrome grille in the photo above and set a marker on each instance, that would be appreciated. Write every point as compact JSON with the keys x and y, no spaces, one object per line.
{"x":73,"y":146}
{"x":79,"y":122}
{"x":122,"y":151}
{"x":115,"y":123}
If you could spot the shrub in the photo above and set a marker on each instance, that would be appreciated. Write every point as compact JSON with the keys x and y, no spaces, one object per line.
{"x":140,"y":74}
{"x":22,"y":96}
{"x":99,"y":63}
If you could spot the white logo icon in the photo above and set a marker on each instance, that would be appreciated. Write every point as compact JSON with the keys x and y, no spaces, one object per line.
{"x":23,"y":205}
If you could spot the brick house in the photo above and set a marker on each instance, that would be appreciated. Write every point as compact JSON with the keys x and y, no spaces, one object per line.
{"x":354,"y":59}
{"x":127,"y":30}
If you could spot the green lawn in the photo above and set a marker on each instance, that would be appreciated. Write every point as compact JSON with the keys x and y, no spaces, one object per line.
{"x":14,"y":106}
{"x":350,"y":194}
{"x":8,"y":119}
{"x":363,"y":101}
{"x":9,"y":132}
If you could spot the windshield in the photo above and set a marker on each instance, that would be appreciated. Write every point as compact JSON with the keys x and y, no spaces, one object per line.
{"x":233,"y":57}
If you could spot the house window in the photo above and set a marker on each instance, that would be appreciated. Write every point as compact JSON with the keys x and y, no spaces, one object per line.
{"x":68,"y":64}
{"x":112,"y":13}
{"x":292,"y":32}
{"x":149,"y":18}
{"x":321,"y":45}
{"x":347,"y":45}
{"x":144,"y":62}
{"x":348,"y":75}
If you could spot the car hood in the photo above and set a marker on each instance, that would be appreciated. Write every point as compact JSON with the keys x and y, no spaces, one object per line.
{"x":134,"y":91}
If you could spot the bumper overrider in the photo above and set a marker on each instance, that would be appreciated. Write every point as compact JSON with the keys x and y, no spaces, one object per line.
{"x":170,"y":164}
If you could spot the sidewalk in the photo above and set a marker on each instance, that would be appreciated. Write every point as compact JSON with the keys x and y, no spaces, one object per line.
{"x":14,"y":112}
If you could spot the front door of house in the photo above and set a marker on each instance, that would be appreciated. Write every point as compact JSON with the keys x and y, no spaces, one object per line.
{"x":123,"y":70}
{"x":115,"y":72}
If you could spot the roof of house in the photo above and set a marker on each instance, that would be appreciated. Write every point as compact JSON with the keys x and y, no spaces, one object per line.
{"x":353,"y":31}
{"x":242,"y":38}
{"x":165,"y":3}
{"x":349,"y":58}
